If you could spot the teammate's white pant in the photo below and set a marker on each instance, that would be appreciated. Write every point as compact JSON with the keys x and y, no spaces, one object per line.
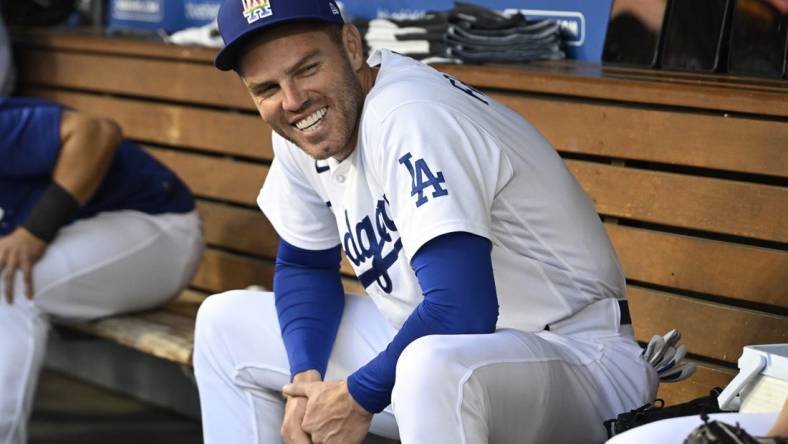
{"x":115,"y":262}
{"x":506,"y":387}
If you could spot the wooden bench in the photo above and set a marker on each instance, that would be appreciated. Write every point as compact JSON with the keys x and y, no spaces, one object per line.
{"x":689,"y":173}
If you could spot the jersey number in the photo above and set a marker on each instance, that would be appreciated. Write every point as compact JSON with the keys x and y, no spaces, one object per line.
{"x":471,"y":91}
{"x":422,"y":178}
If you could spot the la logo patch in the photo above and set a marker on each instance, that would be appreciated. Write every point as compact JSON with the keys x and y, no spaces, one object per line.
{"x":423,"y":178}
{"x":255,"y":10}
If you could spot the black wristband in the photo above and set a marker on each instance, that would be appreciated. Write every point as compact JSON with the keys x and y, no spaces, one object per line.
{"x":55,"y":209}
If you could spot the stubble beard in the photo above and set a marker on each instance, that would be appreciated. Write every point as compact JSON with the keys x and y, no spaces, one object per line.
{"x":350,"y":103}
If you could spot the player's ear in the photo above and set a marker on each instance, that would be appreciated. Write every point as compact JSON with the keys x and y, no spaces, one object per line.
{"x":351,"y":40}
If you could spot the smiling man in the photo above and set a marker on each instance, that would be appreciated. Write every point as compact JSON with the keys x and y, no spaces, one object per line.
{"x":494,"y":307}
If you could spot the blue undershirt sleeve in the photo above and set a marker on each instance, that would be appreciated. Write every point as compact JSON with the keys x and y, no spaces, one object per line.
{"x":309,"y":303}
{"x":456,"y":277}
{"x":29,"y":137}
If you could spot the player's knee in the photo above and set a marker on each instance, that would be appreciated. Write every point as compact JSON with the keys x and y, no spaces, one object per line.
{"x":225,"y":317}
{"x":425,"y":365}
{"x":215,"y":316}
{"x":432,"y":350}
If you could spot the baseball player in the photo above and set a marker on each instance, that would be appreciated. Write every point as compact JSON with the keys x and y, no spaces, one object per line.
{"x":90,"y":226}
{"x":494,"y":308}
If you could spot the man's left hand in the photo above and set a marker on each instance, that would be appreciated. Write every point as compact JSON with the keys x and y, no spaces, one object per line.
{"x":19,"y":251}
{"x":332,"y":415}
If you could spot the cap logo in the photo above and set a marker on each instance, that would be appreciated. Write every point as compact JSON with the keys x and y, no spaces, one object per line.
{"x":255,"y":10}
{"x":334,"y":8}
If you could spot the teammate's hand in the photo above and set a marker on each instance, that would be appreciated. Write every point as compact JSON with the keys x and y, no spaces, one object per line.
{"x":20,"y":250}
{"x":332,"y":415}
{"x":291,"y":430}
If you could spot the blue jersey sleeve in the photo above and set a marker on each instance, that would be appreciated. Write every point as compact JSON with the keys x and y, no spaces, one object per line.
{"x":29,"y":137}
{"x":309,"y":303}
{"x":456,"y":277}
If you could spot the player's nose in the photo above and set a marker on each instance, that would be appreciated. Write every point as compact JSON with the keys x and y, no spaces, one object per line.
{"x":293,"y":97}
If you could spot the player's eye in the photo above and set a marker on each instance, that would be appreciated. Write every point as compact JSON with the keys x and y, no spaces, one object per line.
{"x":266,"y":91}
{"x":309,"y":69}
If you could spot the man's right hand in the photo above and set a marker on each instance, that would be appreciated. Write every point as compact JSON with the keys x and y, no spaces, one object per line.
{"x":291,"y":431}
{"x":295,"y":408}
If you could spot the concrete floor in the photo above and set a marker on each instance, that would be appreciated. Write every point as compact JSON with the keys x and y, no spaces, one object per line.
{"x":67,"y":410}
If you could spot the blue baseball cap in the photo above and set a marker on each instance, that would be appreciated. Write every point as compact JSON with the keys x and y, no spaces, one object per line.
{"x":240,"y":20}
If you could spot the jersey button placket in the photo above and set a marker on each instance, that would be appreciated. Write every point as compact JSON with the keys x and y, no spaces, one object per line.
{"x":336,"y":183}
{"x":340,"y":173}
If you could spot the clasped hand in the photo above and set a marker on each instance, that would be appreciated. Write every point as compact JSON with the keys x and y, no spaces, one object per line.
{"x":330,"y":414}
{"x":20,"y":250}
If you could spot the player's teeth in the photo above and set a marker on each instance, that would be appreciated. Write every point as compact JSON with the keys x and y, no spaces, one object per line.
{"x":312,"y":119}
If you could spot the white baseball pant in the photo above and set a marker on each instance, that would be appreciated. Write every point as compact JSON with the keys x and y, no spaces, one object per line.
{"x":507,"y":387}
{"x":115,"y":262}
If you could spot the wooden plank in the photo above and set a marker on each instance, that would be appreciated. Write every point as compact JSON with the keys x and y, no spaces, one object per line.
{"x":227,"y":132}
{"x":81,"y":40}
{"x":247,"y":231}
{"x":159,"y":79}
{"x":708,"y":329}
{"x":744,"y":145}
{"x":243,"y":229}
{"x":705,"y":378}
{"x":687,"y":77}
{"x":167,"y":333}
{"x":159,"y":333}
{"x":721,"y":268}
{"x":187,"y":303}
{"x":88,"y":41}
{"x":213,"y":177}
{"x":672,"y":137}
{"x":722,"y":80}
{"x":220,"y":271}
{"x":572,"y":78}
{"x":580,"y":81}
{"x":701,"y":203}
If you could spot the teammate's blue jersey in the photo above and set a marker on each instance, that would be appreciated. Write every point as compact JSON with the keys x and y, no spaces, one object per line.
{"x":29,"y":148}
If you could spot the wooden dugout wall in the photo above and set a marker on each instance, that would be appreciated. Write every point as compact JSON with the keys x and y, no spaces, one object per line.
{"x":689,"y":173}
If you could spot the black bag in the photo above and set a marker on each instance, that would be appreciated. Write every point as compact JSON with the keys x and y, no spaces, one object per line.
{"x":655,"y":411}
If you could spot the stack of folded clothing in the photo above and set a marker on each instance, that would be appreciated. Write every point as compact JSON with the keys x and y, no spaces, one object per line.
{"x":422,"y":38}
{"x":477,"y":35}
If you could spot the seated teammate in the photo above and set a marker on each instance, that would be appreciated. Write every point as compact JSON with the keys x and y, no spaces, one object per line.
{"x":90,"y":226}
{"x":495,"y":308}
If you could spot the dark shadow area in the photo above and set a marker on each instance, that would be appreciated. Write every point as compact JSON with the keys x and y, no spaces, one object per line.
{"x":67,"y":410}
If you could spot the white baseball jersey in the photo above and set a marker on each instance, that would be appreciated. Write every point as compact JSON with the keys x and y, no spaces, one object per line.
{"x":435,"y":156}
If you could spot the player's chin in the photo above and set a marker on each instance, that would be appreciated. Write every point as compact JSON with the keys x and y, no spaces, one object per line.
{"x":312,"y":149}
{"x":320,"y":148}
{"x":318,"y":151}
